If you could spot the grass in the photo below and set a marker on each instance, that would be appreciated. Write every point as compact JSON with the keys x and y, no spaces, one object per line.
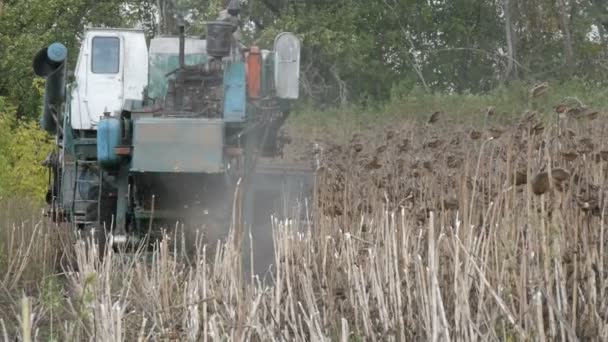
{"x":420,"y":232}
{"x":508,"y":101}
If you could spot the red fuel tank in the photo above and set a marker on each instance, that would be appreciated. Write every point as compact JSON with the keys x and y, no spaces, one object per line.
{"x":254,"y":72}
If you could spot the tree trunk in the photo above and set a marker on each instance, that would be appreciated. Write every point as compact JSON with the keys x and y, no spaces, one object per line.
{"x":565,"y":27}
{"x":510,"y":39}
{"x":601,"y":23}
{"x":602,"y":33}
{"x":161,"y":16}
{"x":166,"y":17}
{"x":1,"y":7}
{"x":409,"y":56}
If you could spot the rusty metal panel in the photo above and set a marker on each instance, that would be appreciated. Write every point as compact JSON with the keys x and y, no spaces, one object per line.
{"x":192,"y":145}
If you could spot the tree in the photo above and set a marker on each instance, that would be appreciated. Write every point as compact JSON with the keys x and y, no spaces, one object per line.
{"x":565,"y":28}
{"x":22,"y":148}
{"x":599,"y":13}
{"x":509,"y":34}
{"x":194,"y":13}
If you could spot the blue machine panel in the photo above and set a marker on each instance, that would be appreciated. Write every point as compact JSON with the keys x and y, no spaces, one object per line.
{"x":235,"y":95}
{"x":108,"y":138}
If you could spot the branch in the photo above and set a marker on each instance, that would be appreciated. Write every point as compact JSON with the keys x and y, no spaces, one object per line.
{"x":411,"y":56}
{"x":342,"y":88}
{"x":257,"y":23}
{"x":509,"y":38}
{"x":480,"y":51}
{"x":272,"y":7}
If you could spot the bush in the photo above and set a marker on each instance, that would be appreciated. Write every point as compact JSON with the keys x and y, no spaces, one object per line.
{"x":23,"y":147}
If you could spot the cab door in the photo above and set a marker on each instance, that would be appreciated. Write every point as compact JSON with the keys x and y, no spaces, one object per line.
{"x":104,"y":85}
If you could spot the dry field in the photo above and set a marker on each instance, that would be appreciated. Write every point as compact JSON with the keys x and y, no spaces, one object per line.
{"x":422,"y":231}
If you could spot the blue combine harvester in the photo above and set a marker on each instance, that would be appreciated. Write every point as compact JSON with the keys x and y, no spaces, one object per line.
{"x":150,"y":137}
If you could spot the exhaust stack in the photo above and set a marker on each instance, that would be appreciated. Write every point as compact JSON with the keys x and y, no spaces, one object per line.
{"x":50,"y":64}
{"x":182,"y":46}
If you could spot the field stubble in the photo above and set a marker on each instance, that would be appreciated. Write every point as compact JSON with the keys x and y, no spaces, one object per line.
{"x":420,"y":231}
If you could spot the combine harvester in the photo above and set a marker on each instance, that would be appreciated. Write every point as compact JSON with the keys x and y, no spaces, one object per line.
{"x":150,"y":138}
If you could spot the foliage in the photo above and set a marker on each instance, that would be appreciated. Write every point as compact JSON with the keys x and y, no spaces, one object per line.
{"x":23,"y":146}
{"x":441,"y":46}
{"x":194,"y":13}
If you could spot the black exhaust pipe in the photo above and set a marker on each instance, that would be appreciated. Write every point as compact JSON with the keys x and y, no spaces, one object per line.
{"x":182,"y":46}
{"x":50,"y":64}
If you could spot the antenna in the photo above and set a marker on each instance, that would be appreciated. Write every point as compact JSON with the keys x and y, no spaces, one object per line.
{"x":182,"y":42}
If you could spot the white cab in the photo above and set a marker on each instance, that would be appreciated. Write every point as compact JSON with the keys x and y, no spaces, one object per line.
{"x":112,"y":67}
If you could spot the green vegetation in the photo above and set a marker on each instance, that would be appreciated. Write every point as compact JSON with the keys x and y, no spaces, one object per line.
{"x":23,"y":147}
{"x":509,"y":102}
{"x":356,"y":50}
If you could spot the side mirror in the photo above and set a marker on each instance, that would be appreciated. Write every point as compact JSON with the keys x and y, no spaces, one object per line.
{"x":287,"y":66}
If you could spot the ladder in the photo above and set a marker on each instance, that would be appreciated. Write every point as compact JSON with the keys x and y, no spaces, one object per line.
{"x":81,"y":216}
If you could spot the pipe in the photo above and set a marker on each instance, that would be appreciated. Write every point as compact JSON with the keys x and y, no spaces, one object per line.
{"x":182,"y":46}
{"x":50,"y":64}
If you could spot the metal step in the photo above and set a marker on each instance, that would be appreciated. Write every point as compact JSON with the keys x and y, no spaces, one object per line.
{"x":80,"y":216}
{"x":85,"y":222}
{"x":87,"y":181}
{"x":86,"y":162}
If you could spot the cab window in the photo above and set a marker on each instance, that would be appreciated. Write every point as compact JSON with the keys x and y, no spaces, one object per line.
{"x":106,"y":55}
